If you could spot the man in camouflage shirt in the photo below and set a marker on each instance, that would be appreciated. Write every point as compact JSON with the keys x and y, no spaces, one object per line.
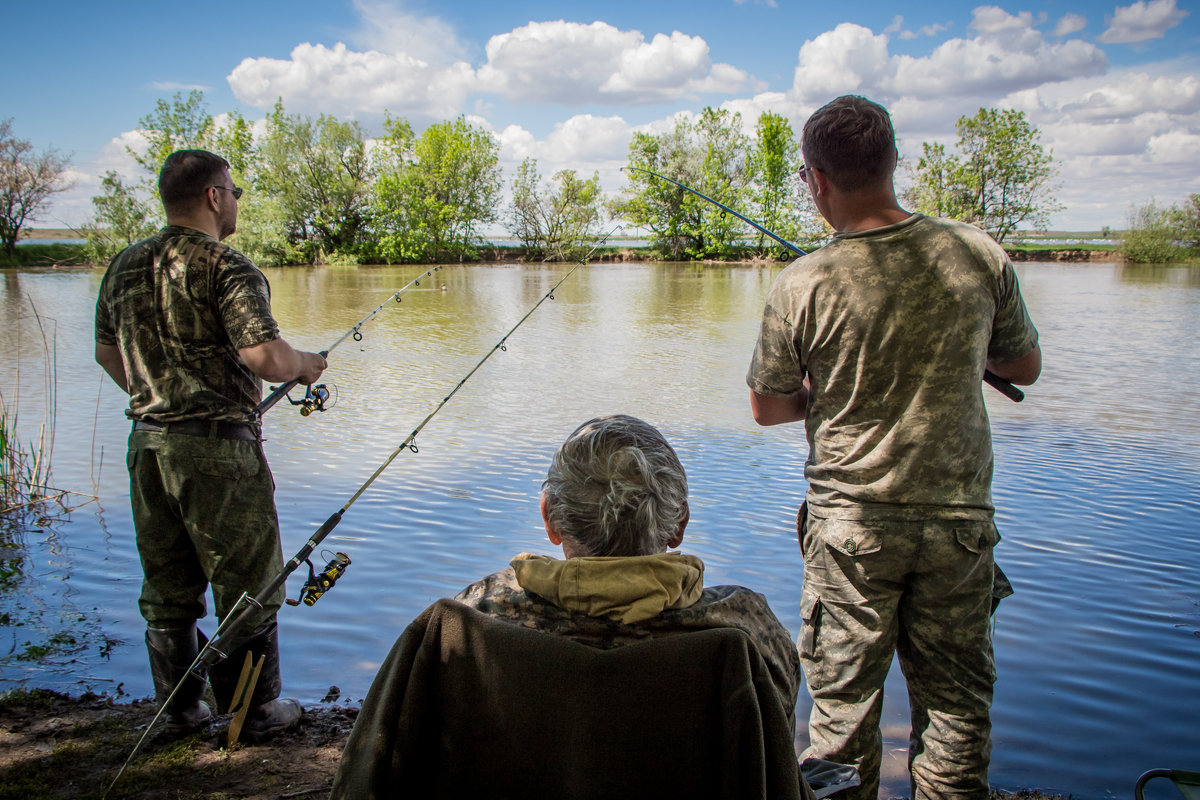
{"x":184,"y":326}
{"x":878,"y":342}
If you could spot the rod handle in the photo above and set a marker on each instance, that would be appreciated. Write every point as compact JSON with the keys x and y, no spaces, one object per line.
{"x":1004,"y":387}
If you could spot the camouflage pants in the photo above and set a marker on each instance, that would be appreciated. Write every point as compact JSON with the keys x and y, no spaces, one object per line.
{"x":204,"y":512}
{"x":922,"y":590}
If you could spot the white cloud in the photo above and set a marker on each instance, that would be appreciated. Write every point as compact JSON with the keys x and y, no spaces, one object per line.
{"x":1009,"y":54}
{"x":1142,"y":21}
{"x":1070,"y":23}
{"x":390,"y":29}
{"x":1137,"y":93}
{"x":850,"y":58}
{"x":571,"y":64}
{"x":583,"y":138}
{"x":343,"y":82}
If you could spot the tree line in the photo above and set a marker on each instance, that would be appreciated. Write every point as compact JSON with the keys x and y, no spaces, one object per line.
{"x":320,"y":190}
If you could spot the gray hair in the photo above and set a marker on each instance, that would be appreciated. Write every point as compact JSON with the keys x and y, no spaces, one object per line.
{"x":616,"y":488}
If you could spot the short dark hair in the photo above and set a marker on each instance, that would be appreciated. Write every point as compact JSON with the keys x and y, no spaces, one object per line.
{"x":185,"y":175}
{"x":851,"y":139}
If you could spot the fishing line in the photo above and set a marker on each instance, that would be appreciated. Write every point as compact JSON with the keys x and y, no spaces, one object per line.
{"x":315,"y":396}
{"x":1005,"y":387}
{"x":240,"y":614}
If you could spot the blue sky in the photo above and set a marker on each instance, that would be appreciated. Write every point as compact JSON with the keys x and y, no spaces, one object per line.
{"x":1114,"y":88}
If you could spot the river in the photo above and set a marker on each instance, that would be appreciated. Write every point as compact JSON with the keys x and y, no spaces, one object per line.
{"x":1097,"y":482}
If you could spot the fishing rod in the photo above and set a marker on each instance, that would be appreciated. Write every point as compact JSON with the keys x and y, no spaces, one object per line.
{"x":239,"y":616}
{"x":1005,"y":387}
{"x":315,"y":397}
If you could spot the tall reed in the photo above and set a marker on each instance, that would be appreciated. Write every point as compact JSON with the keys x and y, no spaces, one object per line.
{"x":25,"y":467}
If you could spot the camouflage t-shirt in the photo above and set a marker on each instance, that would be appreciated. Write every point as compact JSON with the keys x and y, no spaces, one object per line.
{"x":500,"y":595}
{"x":179,"y":305}
{"x":893,"y":326}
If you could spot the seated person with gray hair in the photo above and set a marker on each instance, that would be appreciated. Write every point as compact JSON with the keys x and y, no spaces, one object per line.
{"x":615,"y":500}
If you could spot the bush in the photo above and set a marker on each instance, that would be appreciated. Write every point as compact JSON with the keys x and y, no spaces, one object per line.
{"x":1151,"y":236}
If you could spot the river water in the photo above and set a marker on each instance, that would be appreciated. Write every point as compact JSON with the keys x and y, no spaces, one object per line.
{"x":1097,"y":482}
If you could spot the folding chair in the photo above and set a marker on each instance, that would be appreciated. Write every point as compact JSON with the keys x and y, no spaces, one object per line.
{"x":1188,"y":783}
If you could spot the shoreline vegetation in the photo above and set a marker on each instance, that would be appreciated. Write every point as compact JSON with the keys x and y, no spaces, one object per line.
{"x":56,"y":746}
{"x":59,"y":247}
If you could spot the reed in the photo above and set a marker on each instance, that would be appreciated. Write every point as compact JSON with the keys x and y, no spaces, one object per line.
{"x":25,"y":467}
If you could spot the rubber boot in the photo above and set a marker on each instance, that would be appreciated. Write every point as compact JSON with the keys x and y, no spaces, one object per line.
{"x":172,"y":651}
{"x":268,"y":713}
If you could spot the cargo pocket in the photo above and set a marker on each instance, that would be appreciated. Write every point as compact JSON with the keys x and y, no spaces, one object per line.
{"x":810,"y":622}
{"x":977,"y":536}
{"x":234,"y":469}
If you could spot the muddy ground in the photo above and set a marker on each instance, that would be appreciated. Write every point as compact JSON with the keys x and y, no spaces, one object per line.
{"x":53,"y":746}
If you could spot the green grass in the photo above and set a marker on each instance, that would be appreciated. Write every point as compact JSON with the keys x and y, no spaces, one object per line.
{"x":45,"y":255}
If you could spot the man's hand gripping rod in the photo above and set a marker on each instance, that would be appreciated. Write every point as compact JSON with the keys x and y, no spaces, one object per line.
{"x":280,"y":392}
{"x":992,"y":379}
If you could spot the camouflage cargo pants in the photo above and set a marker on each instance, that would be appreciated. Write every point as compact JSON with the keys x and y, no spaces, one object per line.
{"x":204,"y":512}
{"x":922,"y":590}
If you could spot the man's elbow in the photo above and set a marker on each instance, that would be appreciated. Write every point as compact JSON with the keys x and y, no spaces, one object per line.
{"x":1024,"y":371}
{"x":768,"y":410}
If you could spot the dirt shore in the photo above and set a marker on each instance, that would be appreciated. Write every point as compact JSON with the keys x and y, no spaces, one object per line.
{"x":53,"y":747}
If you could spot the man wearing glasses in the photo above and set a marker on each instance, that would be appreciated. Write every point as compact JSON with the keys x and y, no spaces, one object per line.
{"x":184,"y":326}
{"x":878,"y":342}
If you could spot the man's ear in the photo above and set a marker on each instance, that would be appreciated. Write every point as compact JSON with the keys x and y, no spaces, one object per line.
{"x":676,"y":540}
{"x":555,"y":538}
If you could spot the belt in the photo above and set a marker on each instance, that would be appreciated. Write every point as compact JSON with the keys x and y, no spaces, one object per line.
{"x":202,"y":427}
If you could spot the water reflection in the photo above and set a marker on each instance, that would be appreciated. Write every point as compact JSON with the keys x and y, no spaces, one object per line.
{"x":1097,"y":476}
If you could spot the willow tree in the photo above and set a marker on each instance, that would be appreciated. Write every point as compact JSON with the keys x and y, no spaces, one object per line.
{"x":319,"y":175}
{"x":709,"y":155}
{"x":1001,"y":177}
{"x":435,"y":191}
{"x":776,"y":196}
{"x":554,"y":220}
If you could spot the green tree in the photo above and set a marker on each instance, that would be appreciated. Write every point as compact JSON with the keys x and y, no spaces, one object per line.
{"x":778,"y":199}
{"x":555,"y":222}
{"x":1151,"y":235}
{"x":182,"y":123}
{"x":121,"y":217}
{"x":671,"y":214}
{"x":319,"y":176}
{"x":708,"y":155}
{"x":724,"y":176}
{"x":1001,"y":178}
{"x":28,"y":179}
{"x":940,"y":186}
{"x":435,"y":191}
{"x":1187,"y":222}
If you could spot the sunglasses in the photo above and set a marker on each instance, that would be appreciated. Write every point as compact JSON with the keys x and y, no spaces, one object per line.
{"x":237,"y":191}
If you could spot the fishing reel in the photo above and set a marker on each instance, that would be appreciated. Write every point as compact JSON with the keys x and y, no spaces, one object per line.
{"x":316,"y":398}
{"x":318,"y":584}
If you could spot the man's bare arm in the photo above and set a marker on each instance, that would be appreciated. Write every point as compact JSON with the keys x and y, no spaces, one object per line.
{"x":1023,"y":371}
{"x":108,"y":356}
{"x":277,"y":360}
{"x":768,"y":410}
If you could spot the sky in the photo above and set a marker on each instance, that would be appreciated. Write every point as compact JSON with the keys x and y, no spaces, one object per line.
{"x":1114,"y":89}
